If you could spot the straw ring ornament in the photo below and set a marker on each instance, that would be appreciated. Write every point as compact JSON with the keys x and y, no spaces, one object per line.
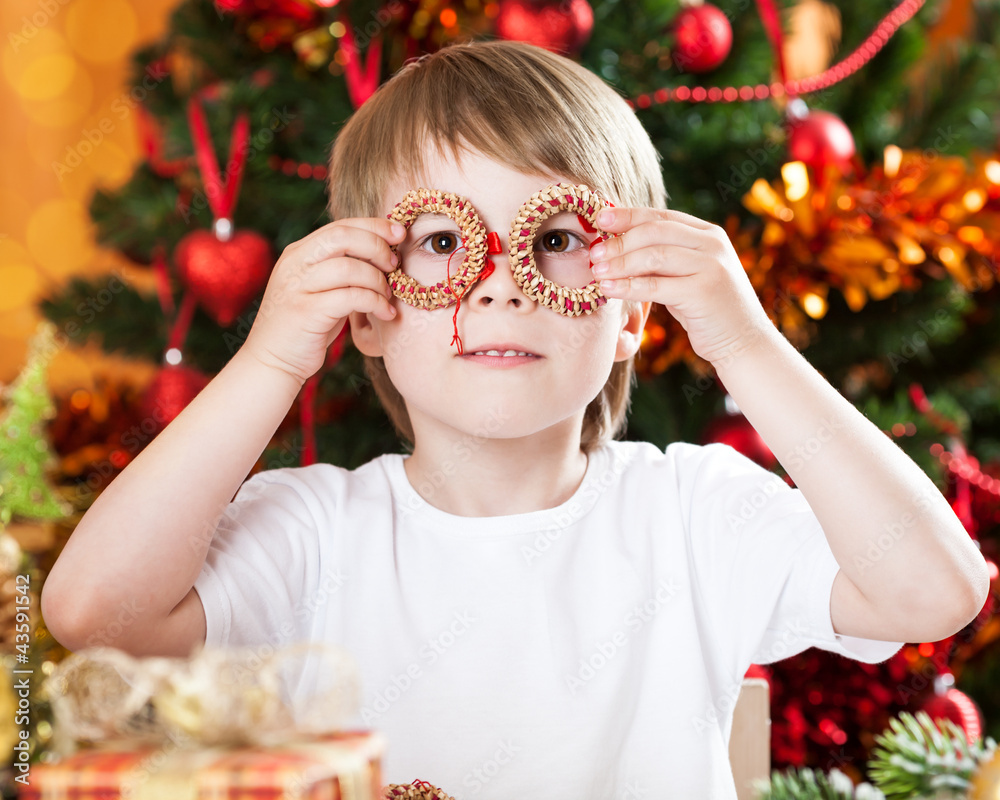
{"x":432,"y":201}
{"x":569,"y":301}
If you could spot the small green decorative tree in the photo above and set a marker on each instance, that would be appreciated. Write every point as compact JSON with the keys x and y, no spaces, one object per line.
{"x":25,"y":454}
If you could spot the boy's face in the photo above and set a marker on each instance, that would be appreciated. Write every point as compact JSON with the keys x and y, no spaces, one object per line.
{"x":466,"y":394}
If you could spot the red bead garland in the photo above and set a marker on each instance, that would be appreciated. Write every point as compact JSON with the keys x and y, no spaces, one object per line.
{"x":843,"y":69}
{"x":716,"y":94}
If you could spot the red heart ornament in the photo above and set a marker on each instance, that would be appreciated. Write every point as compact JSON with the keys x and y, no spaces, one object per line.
{"x":169,"y":393}
{"x":224,"y":276}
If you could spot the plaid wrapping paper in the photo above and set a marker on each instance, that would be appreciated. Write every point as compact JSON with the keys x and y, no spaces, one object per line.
{"x":341,"y":766}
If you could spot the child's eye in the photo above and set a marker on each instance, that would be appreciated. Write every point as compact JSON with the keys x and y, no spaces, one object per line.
{"x":443,"y":243}
{"x":557,"y":241}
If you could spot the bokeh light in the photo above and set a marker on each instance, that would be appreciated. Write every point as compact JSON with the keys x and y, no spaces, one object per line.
{"x":101,"y":31}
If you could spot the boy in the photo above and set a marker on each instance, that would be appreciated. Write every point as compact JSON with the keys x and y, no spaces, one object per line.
{"x":538,"y":609}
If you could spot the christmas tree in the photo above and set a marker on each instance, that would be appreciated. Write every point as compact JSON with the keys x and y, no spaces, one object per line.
{"x":850,"y":151}
{"x":26,"y":458}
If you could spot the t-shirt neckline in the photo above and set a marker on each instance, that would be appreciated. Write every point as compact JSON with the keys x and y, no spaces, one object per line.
{"x":409,"y":503}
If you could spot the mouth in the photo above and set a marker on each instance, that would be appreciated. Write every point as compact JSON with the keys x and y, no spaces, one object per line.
{"x":501,"y":355}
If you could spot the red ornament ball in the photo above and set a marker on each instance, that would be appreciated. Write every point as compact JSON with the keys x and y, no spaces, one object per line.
{"x":702,"y":38}
{"x":959,"y":708}
{"x":560,"y":27}
{"x":224,"y":276}
{"x":169,"y":393}
{"x":736,"y":431}
{"x":820,"y":138}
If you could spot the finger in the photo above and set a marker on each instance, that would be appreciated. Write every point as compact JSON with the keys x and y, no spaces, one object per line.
{"x":367,"y":238}
{"x":343,"y":271}
{"x":668,"y":260}
{"x":340,"y":302}
{"x":624,"y":217}
{"x":658,"y":288}
{"x":651,"y":233}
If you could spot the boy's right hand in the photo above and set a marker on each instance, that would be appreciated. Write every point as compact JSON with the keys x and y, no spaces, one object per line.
{"x":315,"y":284}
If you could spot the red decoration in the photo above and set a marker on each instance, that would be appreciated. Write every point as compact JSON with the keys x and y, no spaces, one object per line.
{"x":169,"y":393}
{"x":360,"y":84}
{"x":703,"y":38}
{"x":223,"y":271}
{"x":844,"y":68}
{"x":418,"y":790}
{"x":736,"y":431}
{"x":303,"y":13}
{"x":561,"y":27}
{"x":151,"y":138}
{"x":224,"y":276}
{"x":950,"y":703}
{"x":307,"y":399}
{"x":818,"y":139}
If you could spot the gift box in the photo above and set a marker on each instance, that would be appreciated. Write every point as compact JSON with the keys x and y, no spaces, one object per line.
{"x":226,"y":723}
{"x":340,"y":766}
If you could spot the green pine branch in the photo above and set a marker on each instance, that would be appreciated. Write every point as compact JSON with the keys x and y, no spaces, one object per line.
{"x":922,"y":757}
{"x":806,"y":784}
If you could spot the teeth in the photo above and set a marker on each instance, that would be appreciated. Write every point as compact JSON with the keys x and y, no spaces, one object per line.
{"x":497,"y":353}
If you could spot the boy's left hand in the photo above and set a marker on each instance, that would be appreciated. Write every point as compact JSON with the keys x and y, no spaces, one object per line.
{"x":691,"y":267}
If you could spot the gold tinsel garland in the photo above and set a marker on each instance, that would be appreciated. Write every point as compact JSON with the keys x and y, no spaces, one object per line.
{"x":919,"y":215}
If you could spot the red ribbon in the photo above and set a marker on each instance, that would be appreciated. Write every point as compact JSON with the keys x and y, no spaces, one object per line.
{"x":307,"y":403}
{"x":360,"y":86}
{"x":772,"y":26}
{"x":221,"y":195}
{"x":179,"y":329}
{"x":162,"y":275}
{"x":181,"y":316}
{"x":151,"y":142}
{"x":962,"y":504}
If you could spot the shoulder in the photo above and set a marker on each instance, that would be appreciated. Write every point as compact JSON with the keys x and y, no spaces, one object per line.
{"x":682,"y":458}
{"x":694,"y":474}
{"x":317,"y":485}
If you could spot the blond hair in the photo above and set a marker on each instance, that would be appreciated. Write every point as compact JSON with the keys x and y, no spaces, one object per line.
{"x":530,"y":109}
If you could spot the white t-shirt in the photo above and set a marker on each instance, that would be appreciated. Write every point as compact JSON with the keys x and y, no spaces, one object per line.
{"x":589,"y":651}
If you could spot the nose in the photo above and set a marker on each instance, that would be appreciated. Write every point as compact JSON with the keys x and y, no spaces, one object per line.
{"x":496,"y":281}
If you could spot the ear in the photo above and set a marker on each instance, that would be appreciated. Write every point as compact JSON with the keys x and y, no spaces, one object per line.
{"x":630,"y":336}
{"x":364,"y":335}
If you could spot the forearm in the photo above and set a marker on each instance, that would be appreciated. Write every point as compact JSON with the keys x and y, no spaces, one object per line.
{"x":889,"y":527}
{"x":144,"y":540}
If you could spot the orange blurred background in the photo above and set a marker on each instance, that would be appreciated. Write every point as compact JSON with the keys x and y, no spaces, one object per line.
{"x":69,"y":127}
